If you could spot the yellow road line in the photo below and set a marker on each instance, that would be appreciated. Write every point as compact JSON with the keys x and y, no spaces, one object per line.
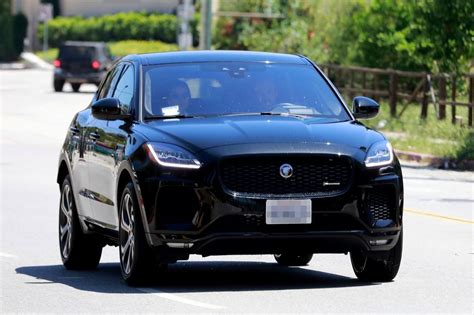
{"x":434,"y":215}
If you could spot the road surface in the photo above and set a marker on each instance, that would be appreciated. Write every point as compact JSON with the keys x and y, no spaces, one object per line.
{"x":436,"y":273}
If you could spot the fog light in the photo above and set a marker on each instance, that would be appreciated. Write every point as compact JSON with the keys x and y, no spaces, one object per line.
{"x":180,"y":245}
{"x":378,"y":242}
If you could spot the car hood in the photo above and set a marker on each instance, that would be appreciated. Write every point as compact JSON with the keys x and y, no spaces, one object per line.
{"x":198,"y":134}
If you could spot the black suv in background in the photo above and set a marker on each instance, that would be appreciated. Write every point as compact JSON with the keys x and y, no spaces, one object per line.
{"x":81,"y":62}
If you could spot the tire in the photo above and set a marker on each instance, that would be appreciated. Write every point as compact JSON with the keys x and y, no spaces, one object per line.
{"x":58,"y":85}
{"x":78,"y":251}
{"x":291,"y":259}
{"x":75,"y":87}
{"x":370,"y":269}
{"x":137,"y":261}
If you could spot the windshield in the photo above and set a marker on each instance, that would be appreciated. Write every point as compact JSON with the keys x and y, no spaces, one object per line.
{"x":230,"y":88}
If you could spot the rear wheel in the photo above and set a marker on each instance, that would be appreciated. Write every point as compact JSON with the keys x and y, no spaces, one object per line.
{"x":368,"y":268}
{"x":58,"y":85}
{"x":292,"y":259}
{"x":75,"y":86}
{"x":78,"y":250}
{"x":137,"y":261}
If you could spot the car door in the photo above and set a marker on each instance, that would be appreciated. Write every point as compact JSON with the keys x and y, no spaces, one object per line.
{"x":75,"y":151}
{"x":98,"y":154}
{"x":113,"y":145}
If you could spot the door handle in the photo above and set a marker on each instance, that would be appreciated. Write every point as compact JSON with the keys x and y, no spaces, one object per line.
{"x":94,"y":135}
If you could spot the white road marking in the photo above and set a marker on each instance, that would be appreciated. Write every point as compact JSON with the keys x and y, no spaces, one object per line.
{"x":5,"y":255}
{"x":180,"y":299}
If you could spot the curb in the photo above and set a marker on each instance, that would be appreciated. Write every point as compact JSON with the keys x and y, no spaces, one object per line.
{"x":424,"y":159}
{"x":36,"y":61}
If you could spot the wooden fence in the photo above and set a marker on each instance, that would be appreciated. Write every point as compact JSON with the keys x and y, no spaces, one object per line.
{"x":404,"y":88}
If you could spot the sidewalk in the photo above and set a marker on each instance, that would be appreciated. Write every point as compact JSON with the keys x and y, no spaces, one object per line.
{"x":35,"y":61}
{"x":27,"y":60}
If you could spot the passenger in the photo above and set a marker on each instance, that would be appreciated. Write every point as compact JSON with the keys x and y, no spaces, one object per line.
{"x":178,"y":95}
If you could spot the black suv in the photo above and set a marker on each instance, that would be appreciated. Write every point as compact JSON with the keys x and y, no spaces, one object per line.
{"x":81,"y":62}
{"x":220,"y":153}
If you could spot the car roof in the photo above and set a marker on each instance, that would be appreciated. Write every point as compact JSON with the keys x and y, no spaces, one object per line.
{"x":216,"y":56}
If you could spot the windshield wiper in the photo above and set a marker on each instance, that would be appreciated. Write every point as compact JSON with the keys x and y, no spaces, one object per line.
{"x":157,"y":117}
{"x":268,"y":114}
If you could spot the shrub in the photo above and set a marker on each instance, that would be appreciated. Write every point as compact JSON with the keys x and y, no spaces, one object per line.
{"x":116,"y":27}
{"x":7,"y":51}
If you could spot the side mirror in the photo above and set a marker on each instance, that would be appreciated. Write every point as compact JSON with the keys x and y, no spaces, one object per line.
{"x":364,"y":107}
{"x":109,"y":109}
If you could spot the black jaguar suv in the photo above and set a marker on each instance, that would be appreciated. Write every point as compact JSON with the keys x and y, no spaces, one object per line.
{"x":221,"y":153}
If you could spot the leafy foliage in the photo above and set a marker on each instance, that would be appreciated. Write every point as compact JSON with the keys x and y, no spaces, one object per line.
{"x":425,"y":35}
{"x":431,"y":35}
{"x":7,"y":50}
{"x":116,"y":27}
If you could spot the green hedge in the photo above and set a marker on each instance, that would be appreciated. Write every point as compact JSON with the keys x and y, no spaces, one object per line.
{"x":117,"y":27}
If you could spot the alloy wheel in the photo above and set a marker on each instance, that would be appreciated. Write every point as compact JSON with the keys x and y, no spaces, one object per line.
{"x":66,"y":221}
{"x":127,"y":236}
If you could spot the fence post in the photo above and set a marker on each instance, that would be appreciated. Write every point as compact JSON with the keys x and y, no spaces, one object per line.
{"x":424,"y":102}
{"x":351,"y":93}
{"x":393,"y":93}
{"x":442,"y":97}
{"x":471,"y":100}
{"x":453,"y":99}
{"x":375,"y":86}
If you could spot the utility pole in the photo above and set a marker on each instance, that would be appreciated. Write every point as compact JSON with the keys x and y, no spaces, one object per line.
{"x":206,"y":25}
{"x":45,"y":14}
{"x":185,"y":14}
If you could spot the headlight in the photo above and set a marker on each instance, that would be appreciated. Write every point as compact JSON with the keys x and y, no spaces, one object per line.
{"x":169,"y":155}
{"x":380,"y":153}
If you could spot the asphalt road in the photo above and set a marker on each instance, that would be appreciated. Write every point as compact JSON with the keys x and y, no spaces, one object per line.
{"x":436,"y":273}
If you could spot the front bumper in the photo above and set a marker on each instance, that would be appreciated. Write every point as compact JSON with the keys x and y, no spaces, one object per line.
{"x":221,"y":224}
{"x":191,"y":212}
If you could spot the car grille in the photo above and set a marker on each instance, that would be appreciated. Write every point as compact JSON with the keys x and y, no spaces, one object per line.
{"x":380,"y":204}
{"x":312,"y":175}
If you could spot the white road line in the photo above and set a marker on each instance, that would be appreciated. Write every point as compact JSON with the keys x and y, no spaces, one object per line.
{"x":179,"y":299}
{"x":5,"y":255}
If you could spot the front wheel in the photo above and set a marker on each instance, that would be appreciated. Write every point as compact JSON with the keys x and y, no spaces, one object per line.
{"x":292,"y":259}
{"x":137,"y":261}
{"x":78,"y":250}
{"x":368,"y":268}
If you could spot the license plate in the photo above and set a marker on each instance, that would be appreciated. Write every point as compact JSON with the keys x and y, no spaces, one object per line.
{"x":288,"y":211}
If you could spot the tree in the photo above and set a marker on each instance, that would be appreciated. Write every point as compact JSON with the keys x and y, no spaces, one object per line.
{"x":429,"y":35}
{"x":7,"y":51}
{"x":449,"y":26}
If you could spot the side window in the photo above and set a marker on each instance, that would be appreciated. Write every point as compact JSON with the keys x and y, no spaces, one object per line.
{"x":125,"y":86}
{"x":107,"y":87}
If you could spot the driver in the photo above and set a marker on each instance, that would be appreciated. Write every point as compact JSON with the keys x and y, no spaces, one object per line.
{"x":266,"y":93}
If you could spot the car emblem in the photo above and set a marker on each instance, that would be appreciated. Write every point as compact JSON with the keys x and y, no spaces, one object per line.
{"x":286,"y":171}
